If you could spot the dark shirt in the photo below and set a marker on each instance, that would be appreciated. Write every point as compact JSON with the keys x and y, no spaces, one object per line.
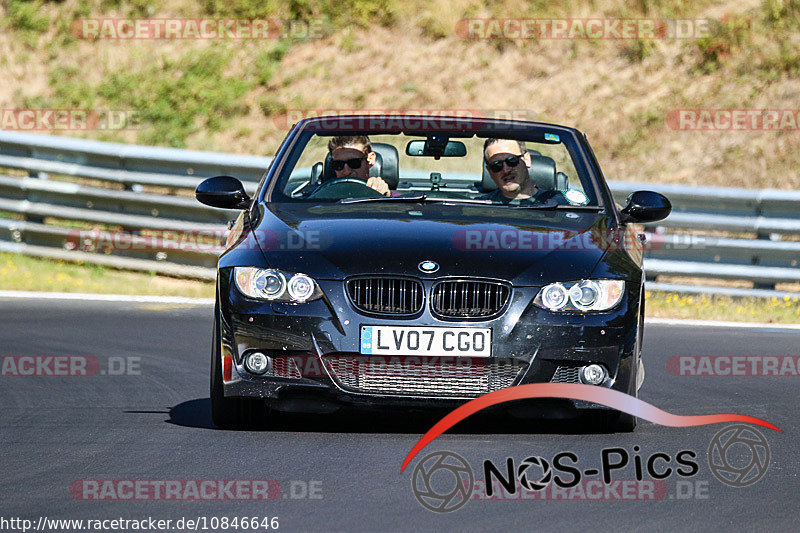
{"x":497,"y":196}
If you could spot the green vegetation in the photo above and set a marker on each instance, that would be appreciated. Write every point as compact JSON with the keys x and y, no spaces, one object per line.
{"x":765,"y":37}
{"x":338,"y":13}
{"x":173,"y":100}
{"x":199,"y":98}
{"x":638,"y":50}
{"x":26,"y":18}
{"x":781,"y":14}
{"x":21,"y":273}
{"x":725,"y":308}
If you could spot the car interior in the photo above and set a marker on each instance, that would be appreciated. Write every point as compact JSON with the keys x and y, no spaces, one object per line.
{"x":449,"y":180}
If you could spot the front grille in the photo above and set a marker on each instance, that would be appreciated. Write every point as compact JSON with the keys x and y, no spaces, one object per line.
{"x":567,"y":374}
{"x":387,"y":296}
{"x":467,"y":299}
{"x":423,"y":377}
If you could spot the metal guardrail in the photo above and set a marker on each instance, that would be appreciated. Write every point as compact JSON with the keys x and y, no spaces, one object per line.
{"x":123,"y":163}
{"x":766,"y":214}
{"x":140,"y":188}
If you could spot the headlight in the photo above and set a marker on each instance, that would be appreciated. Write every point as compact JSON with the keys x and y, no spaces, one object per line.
{"x":301,"y":287}
{"x":271,"y":284}
{"x":584,"y":295}
{"x":554,"y":296}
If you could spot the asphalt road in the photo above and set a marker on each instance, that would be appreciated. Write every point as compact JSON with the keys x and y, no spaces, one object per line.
{"x":151,"y":423}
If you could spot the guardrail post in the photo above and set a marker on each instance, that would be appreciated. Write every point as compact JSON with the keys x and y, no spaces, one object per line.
{"x":763,"y":235}
{"x":756,"y":260}
{"x":35,"y":218}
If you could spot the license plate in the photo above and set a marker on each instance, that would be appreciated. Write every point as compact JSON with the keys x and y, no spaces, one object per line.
{"x":430,"y":341}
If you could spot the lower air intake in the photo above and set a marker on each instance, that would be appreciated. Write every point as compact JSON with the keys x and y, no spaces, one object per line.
{"x":414,"y":376}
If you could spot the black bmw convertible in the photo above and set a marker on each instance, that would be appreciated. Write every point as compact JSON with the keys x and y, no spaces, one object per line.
{"x":414,"y":262}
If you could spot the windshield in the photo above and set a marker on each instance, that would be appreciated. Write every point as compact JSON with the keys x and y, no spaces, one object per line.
{"x":435,"y":168}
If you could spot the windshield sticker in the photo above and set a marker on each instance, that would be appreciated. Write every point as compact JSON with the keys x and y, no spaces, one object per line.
{"x":552,"y":137}
{"x":576,"y":197}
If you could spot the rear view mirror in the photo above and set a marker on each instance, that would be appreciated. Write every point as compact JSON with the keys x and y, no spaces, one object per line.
{"x":436,"y":147}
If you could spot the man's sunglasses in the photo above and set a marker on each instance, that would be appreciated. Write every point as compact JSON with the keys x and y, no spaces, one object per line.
{"x":497,"y":166}
{"x":352,"y":163}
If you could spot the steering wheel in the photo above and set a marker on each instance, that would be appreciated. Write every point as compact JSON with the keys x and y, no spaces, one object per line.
{"x":339,"y":188}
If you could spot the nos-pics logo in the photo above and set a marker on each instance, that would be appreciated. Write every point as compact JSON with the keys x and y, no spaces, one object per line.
{"x":443,"y":481}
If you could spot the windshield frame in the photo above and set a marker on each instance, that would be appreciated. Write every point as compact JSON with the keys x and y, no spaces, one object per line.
{"x":295,"y":143}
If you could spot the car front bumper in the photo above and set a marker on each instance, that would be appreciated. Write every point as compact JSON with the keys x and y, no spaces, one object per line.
{"x":316,"y":364}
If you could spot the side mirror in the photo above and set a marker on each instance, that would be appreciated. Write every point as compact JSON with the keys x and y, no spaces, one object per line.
{"x":224,"y":192}
{"x":646,"y":206}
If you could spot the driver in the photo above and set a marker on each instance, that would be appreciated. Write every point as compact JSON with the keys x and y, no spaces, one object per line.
{"x":352,"y":156}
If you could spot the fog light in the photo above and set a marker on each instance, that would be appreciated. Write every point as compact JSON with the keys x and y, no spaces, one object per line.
{"x":593,"y":374}
{"x":256,"y":363}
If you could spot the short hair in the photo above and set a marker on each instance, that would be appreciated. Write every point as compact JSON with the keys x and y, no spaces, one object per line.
{"x":490,"y":142}
{"x":350,"y":140}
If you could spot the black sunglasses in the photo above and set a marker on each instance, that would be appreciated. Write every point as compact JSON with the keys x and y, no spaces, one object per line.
{"x":352,"y":163}
{"x":497,"y":166}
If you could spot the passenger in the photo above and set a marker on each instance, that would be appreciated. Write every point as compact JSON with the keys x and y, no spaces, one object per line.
{"x":508,"y":162}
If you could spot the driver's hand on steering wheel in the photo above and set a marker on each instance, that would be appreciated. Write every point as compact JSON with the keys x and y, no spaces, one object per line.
{"x":379,"y":185}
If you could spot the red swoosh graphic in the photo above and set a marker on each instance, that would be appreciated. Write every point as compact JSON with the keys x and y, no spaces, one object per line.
{"x":573,"y":391}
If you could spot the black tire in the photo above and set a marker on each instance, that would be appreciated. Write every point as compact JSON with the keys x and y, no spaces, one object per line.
{"x":614,"y":421}
{"x":618,"y":422}
{"x":232,"y":413}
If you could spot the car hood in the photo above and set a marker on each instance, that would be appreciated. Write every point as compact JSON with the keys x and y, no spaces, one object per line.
{"x":523,"y":246}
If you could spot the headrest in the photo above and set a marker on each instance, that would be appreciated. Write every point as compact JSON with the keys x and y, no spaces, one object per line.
{"x":562,"y":181}
{"x":389,"y":171}
{"x":537,"y":172}
{"x":543,"y":172}
{"x":386,"y":163}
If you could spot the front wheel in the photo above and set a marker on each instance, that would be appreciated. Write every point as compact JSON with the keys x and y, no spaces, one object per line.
{"x":618,"y":422}
{"x":232,"y":413}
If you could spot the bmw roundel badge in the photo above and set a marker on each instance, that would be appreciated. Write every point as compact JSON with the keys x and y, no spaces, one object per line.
{"x":428,"y":267}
